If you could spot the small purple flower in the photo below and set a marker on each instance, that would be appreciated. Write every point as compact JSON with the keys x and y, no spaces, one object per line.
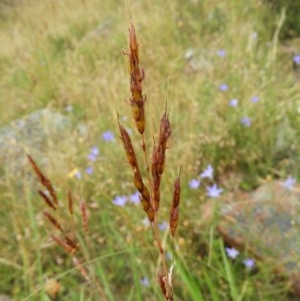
{"x":77,"y":174}
{"x":232,"y":253}
{"x":94,"y":151}
{"x":289,"y":183}
{"x":249,"y":263}
{"x":246,"y":121}
{"x":120,"y":200}
{"x":89,"y":170}
{"x":296,"y":59}
{"x":145,"y":281}
{"x":92,"y":157}
{"x":194,"y":184}
{"x":208,"y":172}
{"x":255,"y":99}
{"x":162,"y":226}
{"x":223,"y":87}
{"x":221,"y":52}
{"x":213,"y":191}
{"x":233,"y":102}
{"x":135,"y":198}
{"x":108,"y":136}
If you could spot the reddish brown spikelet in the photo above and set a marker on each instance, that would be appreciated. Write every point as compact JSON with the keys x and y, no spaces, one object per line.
{"x":174,"y":210}
{"x":147,"y":206}
{"x":69,"y":249}
{"x":46,"y":199}
{"x":43,"y":179}
{"x":128,"y":146}
{"x":133,"y":43}
{"x":70,"y":203}
{"x":176,"y":192}
{"x":158,"y":159}
{"x":165,"y":131}
{"x":137,"y":99}
{"x":162,"y":284}
{"x":84,"y":216}
{"x":53,"y":221}
{"x":72,"y":244}
{"x":137,"y":177}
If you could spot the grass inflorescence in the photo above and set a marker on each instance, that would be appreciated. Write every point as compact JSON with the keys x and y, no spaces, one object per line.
{"x":218,"y":100}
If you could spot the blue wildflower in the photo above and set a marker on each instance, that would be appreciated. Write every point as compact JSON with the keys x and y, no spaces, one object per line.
{"x":213,"y":191}
{"x":89,"y":170}
{"x":94,"y":151}
{"x":194,"y":184}
{"x":246,"y":121}
{"x":145,"y":281}
{"x":77,"y":174}
{"x":208,"y":172}
{"x":255,"y":99}
{"x":135,"y":198}
{"x":162,"y":226}
{"x":233,"y":102}
{"x":232,"y":253}
{"x":223,"y":87}
{"x":249,"y":263}
{"x":221,"y":52}
{"x":120,"y":200}
{"x":296,"y":59}
{"x":289,"y":183}
{"x":108,"y":136}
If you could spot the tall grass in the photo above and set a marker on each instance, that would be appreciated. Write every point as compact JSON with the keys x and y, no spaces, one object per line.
{"x":71,"y":58}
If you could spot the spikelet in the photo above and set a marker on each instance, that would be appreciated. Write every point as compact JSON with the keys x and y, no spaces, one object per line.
{"x":43,"y":180}
{"x":67,"y":247}
{"x":53,"y":221}
{"x":137,"y":99}
{"x":174,"y":210}
{"x":137,"y":177}
{"x":47,"y":200}
{"x":158,"y":158}
{"x":162,"y":284}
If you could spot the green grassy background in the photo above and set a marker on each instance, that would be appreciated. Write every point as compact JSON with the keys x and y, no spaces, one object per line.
{"x":57,"y":54}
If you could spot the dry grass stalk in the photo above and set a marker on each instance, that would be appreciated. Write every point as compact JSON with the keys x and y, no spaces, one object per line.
{"x":150,"y":196}
{"x":137,"y":177}
{"x":43,"y":180}
{"x":84,"y":216}
{"x":174,"y":210}
{"x":65,"y":239}
{"x":137,"y":99}
{"x":45,"y":197}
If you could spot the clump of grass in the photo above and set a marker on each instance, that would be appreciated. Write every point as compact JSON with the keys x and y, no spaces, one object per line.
{"x":150,"y":195}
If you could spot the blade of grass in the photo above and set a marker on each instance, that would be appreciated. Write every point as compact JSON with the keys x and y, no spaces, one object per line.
{"x":229,"y":275}
{"x":192,"y":286}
